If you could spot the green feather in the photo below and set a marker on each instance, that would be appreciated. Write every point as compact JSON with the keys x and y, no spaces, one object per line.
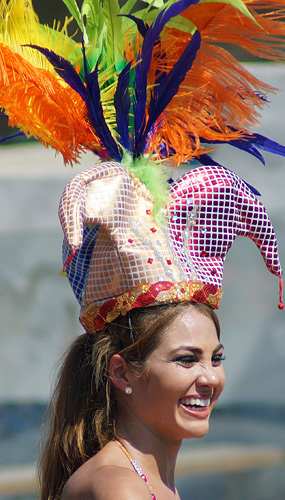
{"x":95,"y":29}
{"x":61,"y":39}
{"x":182,"y":24}
{"x":114,"y":39}
{"x":127,"y":7}
{"x":153,"y":176}
{"x":92,"y":12}
{"x":237,"y":4}
{"x":74,"y":11}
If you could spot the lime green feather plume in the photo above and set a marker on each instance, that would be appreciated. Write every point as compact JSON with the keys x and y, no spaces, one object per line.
{"x":155,"y":179}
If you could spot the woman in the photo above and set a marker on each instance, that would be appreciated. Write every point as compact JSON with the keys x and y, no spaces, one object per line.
{"x":135,"y":399}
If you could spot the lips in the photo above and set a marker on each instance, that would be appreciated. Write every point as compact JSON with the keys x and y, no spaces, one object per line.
{"x":196,"y":407}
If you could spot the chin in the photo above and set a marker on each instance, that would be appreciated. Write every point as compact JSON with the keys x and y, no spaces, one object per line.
{"x":198,"y":435}
{"x":197,"y":431}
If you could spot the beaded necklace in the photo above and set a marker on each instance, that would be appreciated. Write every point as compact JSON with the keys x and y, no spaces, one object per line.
{"x":136,"y":467}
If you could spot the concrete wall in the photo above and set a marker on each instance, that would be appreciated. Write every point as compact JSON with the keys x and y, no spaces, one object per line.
{"x":38,"y":313}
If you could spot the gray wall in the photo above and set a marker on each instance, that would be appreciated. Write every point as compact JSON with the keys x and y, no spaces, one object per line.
{"x":39,"y":315}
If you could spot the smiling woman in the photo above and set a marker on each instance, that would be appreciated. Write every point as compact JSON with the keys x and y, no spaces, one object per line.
{"x":147,"y":393}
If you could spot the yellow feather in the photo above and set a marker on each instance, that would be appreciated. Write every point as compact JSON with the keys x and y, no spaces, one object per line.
{"x":19,"y":25}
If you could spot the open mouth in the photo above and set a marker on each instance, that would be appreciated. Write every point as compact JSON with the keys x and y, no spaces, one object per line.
{"x":195,"y":403}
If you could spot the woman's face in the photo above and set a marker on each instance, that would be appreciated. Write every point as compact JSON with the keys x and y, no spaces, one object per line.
{"x":183,"y":381}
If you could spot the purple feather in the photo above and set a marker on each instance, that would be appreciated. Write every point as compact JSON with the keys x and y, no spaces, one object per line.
{"x":252,"y":188}
{"x":141,"y":25}
{"x":165,"y":151}
{"x":11,"y":137}
{"x":95,"y":109}
{"x":248,"y":148}
{"x":168,"y":87}
{"x":96,"y":115}
{"x":85,"y":63}
{"x":90,"y":95}
{"x":142,"y":68}
{"x":252,"y":143}
{"x":244,"y":145}
{"x":266,"y":144}
{"x":208,"y":160}
{"x":64,"y":69}
{"x":122,"y":105}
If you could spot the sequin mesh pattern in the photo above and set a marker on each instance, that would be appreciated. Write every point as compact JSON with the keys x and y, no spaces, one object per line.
{"x":79,"y":268}
{"x":210,"y":207}
{"x":124,"y":258}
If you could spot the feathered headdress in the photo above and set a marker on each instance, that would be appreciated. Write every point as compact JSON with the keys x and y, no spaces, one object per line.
{"x":145,"y":87}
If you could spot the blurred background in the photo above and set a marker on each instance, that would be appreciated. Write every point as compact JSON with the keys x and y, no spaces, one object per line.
{"x":242,"y":457}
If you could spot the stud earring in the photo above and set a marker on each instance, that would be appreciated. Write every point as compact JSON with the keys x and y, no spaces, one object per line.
{"x":128,"y":390}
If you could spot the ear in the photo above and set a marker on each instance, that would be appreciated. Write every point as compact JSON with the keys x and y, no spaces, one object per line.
{"x":118,"y":372}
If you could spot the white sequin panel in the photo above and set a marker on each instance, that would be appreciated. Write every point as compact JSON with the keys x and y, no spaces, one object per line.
{"x":131,"y":247}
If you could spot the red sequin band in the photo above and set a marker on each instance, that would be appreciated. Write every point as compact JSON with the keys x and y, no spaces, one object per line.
{"x":94,"y":318}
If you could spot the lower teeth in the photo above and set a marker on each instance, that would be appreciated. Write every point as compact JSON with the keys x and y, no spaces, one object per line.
{"x":195,"y":407}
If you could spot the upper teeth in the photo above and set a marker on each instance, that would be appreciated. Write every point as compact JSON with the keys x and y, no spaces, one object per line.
{"x":195,"y":401}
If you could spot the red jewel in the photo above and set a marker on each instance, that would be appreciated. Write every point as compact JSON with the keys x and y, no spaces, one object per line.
{"x":144,"y":299}
{"x":153,"y":230}
{"x":203,"y":253}
{"x":209,"y":290}
{"x":107,"y":307}
{"x":161,"y":286}
{"x":213,"y":272}
{"x":99,"y":323}
{"x":148,"y":212}
{"x":130,"y":240}
{"x":169,"y":262}
{"x":150,"y":261}
{"x":144,"y":478}
{"x":199,"y":296}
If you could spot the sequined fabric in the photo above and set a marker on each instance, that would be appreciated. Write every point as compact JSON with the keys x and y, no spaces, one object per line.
{"x":124,"y":258}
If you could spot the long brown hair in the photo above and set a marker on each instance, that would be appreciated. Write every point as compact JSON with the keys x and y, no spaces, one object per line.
{"x":83,"y":411}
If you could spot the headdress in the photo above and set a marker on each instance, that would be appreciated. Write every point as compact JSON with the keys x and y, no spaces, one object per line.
{"x":145,"y":90}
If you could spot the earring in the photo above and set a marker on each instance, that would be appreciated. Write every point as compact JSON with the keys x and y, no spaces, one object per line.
{"x":128,"y":390}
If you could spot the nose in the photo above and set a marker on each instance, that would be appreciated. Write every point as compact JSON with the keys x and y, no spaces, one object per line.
{"x":208,"y":377}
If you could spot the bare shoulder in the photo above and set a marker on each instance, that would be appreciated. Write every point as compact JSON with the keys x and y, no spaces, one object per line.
{"x":106,"y":483}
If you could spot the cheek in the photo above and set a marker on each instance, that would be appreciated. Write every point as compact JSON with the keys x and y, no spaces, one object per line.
{"x":161,"y":385}
{"x":222,"y":380}
{"x":172,"y":383}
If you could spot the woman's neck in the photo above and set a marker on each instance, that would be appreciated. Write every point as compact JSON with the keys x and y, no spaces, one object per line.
{"x":155,"y":453}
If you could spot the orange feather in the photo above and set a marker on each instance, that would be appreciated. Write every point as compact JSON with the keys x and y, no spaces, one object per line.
{"x":43,"y":106}
{"x":217,"y":90}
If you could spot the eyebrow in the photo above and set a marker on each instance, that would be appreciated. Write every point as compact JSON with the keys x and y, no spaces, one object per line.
{"x":194,"y":349}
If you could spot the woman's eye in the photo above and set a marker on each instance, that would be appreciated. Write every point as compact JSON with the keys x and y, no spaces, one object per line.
{"x":217,"y":359}
{"x":186,"y":360}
